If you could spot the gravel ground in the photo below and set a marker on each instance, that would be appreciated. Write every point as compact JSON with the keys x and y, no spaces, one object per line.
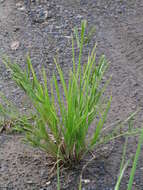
{"x":42,"y":29}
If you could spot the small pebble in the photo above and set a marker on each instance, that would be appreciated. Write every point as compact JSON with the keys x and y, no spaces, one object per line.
{"x":48,"y":182}
{"x":29,"y":182}
{"x":15,"y":45}
{"x":86,"y":181}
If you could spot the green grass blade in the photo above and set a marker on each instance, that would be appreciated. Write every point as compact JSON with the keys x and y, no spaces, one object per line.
{"x":80,"y":183}
{"x":73,"y":55}
{"x":121,"y":176}
{"x":124,"y":154}
{"x":62,"y":79}
{"x":83,"y":26}
{"x":135,"y":161}
{"x":77,"y":36}
{"x":100,"y":123}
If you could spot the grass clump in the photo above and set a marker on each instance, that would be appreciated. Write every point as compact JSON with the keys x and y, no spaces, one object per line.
{"x":65,"y":112}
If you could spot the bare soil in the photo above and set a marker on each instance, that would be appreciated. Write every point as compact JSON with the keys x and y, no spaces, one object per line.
{"x":42,"y":29}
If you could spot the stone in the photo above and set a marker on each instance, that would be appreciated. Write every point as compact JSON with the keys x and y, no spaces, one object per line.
{"x":15,"y":45}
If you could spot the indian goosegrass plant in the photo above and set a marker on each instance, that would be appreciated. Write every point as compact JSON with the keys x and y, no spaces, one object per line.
{"x":64,"y":113}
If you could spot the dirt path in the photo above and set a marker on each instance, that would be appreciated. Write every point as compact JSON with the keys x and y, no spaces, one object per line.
{"x":43,"y":30}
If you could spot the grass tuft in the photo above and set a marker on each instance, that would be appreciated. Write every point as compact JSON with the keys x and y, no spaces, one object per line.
{"x":64,"y":115}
